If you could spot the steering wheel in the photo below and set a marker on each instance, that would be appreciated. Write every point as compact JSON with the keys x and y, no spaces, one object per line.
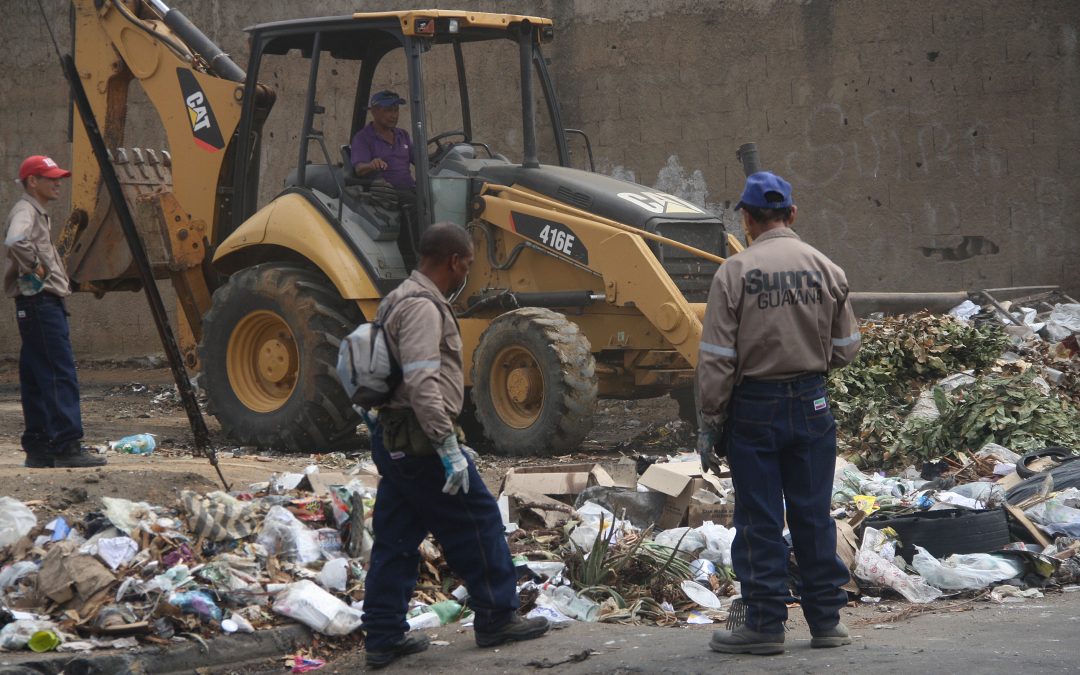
{"x":440,"y":148}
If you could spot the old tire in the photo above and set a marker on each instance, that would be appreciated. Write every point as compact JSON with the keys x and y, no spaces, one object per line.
{"x":943,"y":533}
{"x":534,"y":383}
{"x":269,"y":348}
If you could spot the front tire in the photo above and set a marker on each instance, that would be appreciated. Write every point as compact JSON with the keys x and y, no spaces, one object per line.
{"x":269,"y":350}
{"x":534,"y":383}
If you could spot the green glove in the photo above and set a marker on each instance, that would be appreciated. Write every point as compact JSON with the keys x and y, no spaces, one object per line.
{"x":454,"y":464}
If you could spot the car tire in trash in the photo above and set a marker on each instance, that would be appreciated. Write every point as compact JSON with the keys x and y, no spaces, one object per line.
{"x":943,"y":533}
{"x":1057,"y":453}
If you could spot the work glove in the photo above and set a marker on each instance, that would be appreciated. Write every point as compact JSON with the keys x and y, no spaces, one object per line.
{"x":706,"y":447}
{"x":454,"y":464}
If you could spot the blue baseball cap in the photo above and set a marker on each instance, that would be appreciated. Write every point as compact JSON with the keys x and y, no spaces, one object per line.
{"x":765,"y":190}
{"x":385,"y":99}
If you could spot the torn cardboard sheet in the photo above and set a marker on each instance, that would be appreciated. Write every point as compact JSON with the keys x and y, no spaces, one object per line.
{"x":679,"y":481}
{"x":71,"y":578}
{"x":561,"y":482}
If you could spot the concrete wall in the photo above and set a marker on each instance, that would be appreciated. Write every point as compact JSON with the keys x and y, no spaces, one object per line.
{"x":932,"y":145}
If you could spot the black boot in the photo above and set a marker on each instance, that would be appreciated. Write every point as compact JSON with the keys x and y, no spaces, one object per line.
{"x":516,"y":629}
{"x":38,"y":460}
{"x":409,"y":644}
{"x":75,"y":456}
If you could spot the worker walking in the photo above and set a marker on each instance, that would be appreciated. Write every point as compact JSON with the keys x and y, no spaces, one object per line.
{"x":777,"y":319}
{"x":429,"y":482}
{"x":35,"y":277}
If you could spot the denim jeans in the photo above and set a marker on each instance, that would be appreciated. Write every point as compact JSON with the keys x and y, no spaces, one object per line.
{"x":48,"y":384}
{"x":468,"y":527}
{"x":781,"y":446}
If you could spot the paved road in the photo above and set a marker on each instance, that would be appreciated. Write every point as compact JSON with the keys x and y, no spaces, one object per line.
{"x":1037,"y":636}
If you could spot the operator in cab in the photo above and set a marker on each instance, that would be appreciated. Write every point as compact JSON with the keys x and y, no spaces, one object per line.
{"x":777,"y":319}
{"x":381,"y":149}
{"x":429,"y":479}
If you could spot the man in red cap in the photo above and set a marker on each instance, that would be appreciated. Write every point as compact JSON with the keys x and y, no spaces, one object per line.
{"x":34,"y":275}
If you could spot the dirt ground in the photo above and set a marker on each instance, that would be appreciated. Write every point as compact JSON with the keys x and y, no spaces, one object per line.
{"x":119,"y":401}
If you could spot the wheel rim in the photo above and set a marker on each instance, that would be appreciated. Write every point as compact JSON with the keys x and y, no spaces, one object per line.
{"x":262,"y":361}
{"x":517,"y":387}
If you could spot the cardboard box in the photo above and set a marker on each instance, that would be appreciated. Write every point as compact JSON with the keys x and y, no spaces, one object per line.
{"x":699,"y":512}
{"x":562,"y":482}
{"x":679,"y":481}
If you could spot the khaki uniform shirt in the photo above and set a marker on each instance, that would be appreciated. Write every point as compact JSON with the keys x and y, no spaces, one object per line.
{"x":424,"y":338}
{"x":777,"y":310}
{"x":28,"y":240}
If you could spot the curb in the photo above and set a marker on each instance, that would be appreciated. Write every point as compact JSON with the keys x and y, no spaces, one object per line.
{"x":184,"y":657}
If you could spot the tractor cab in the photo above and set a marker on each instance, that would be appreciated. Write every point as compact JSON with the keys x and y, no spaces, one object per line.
{"x":456,"y":72}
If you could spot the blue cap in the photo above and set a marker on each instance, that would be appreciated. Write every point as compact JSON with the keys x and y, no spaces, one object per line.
{"x":765,"y":190}
{"x":385,"y":99}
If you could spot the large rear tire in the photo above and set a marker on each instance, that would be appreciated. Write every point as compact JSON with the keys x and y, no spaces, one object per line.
{"x":269,"y":350}
{"x":534,"y":383}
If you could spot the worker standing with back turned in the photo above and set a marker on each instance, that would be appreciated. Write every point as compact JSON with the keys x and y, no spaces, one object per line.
{"x":35,"y":277}
{"x":429,"y":479}
{"x":777,"y":319}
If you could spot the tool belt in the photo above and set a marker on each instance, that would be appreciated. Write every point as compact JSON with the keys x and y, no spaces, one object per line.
{"x":402,"y":433}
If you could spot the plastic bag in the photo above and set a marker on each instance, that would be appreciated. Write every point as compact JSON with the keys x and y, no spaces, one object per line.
{"x":139,"y":444}
{"x":12,"y":573}
{"x":283,"y":534}
{"x":986,"y":495}
{"x":16,"y":634}
{"x":718,"y":540}
{"x":16,"y":520}
{"x":874,"y":566}
{"x":692,"y":543}
{"x":305,"y":602}
{"x":334,"y":575}
{"x":970,"y":571}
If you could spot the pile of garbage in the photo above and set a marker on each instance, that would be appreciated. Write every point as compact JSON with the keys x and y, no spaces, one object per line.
{"x":998,"y":522}
{"x":926,"y":386}
{"x":289,"y":549}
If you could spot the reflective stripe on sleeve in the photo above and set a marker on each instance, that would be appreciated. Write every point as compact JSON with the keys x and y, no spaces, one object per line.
{"x":420,"y":365}
{"x":717,"y":350}
{"x":849,"y":340}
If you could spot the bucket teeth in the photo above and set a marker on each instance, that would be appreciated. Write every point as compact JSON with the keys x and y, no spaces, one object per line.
{"x":143,"y":167}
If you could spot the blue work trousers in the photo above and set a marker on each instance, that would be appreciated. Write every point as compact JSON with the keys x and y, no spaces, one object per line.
{"x":468,"y":527}
{"x":48,"y":384}
{"x":781,"y":446}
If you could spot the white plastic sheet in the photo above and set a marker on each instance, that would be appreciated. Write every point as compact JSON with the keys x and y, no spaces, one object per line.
{"x":970,"y":571}
{"x":305,"y":602}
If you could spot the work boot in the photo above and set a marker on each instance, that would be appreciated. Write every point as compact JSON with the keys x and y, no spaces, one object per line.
{"x":517,"y":629}
{"x":837,"y":636}
{"x":408,"y":644}
{"x":38,"y":460}
{"x":742,"y":640}
{"x":75,"y":456}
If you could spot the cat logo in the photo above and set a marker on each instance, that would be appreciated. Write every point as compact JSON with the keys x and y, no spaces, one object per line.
{"x":660,"y":202}
{"x":201,"y":116}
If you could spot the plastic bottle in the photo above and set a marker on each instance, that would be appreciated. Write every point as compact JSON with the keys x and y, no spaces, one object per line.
{"x":424,"y":620}
{"x":575,"y":606}
{"x":139,"y":444}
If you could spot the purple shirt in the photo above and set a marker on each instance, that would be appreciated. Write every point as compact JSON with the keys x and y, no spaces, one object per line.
{"x":367,"y":145}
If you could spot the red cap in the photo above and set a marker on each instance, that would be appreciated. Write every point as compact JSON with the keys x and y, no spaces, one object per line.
{"x":40,"y":165}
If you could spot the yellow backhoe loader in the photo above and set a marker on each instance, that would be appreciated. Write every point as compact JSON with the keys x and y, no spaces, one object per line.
{"x":584,"y":286}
